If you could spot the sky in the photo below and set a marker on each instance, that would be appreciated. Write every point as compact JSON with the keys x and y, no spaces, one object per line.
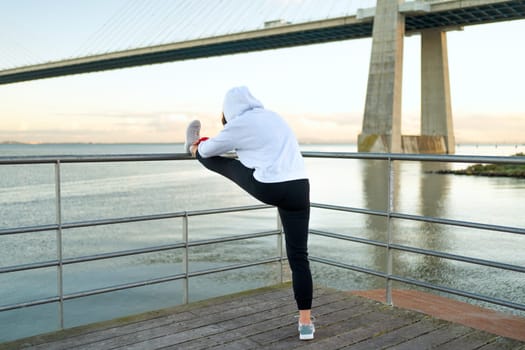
{"x":319,"y":89}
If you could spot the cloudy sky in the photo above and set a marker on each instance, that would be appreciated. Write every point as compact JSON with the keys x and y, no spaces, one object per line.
{"x":319,"y":89}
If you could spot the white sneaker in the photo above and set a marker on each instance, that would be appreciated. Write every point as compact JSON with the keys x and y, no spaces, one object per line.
{"x":192,"y":134}
{"x":306,"y":331}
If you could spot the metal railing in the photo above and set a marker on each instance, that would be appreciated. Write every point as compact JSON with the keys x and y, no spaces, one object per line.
{"x":186,"y":243}
{"x":389,"y":214}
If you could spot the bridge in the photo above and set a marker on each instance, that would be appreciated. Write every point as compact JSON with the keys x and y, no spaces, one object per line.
{"x":387,"y":23}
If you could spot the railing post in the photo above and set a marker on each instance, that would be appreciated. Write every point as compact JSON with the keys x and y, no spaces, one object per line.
{"x":280,"y":247}
{"x":185,"y":259}
{"x":390,"y":209}
{"x":60,"y":274}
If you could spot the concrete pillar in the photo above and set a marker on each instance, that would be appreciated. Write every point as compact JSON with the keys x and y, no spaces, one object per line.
{"x":382,"y":120}
{"x":436,"y":111}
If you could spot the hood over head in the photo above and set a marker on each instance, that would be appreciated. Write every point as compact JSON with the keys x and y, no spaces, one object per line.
{"x":237,"y":101}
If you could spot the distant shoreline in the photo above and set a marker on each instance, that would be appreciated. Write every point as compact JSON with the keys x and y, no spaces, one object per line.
{"x":491,"y":170}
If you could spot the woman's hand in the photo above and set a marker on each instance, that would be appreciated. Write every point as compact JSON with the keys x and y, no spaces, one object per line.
{"x":193,"y":148}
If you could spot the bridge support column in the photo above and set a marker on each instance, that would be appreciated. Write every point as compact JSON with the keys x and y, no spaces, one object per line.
{"x":382,"y":120}
{"x":436,"y":111}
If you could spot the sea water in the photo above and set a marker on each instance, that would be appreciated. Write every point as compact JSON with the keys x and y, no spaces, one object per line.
{"x":117,"y":190}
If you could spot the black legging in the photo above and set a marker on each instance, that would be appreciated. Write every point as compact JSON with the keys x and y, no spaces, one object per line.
{"x":292,"y":199}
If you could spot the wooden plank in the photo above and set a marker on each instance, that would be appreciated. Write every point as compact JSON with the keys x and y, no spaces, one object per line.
{"x":473,"y":340}
{"x":434,"y":338}
{"x":504,"y":344}
{"x":399,"y":335}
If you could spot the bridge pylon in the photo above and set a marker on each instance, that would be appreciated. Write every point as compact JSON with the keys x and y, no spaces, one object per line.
{"x":381,"y":131}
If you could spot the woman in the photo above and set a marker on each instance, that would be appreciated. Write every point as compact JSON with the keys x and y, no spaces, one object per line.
{"x":270,"y":168}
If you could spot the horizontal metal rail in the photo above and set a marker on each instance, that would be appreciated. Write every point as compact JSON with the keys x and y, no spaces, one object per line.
{"x":348,"y":266}
{"x":131,"y":252}
{"x":348,"y":238}
{"x":480,"y":226}
{"x":12,"y":160}
{"x":93,"y":158}
{"x":394,"y":215}
{"x":458,"y":292}
{"x":126,"y":220}
{"x":421,"y":251}
{"x":462,"y":258}
{"x":143,"y":283}
{"x":418,"y":157}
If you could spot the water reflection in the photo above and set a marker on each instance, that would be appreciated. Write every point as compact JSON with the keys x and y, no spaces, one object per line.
{"x":375,"y":197}
{"x":427,"y":199}
{"x":433,"y":194}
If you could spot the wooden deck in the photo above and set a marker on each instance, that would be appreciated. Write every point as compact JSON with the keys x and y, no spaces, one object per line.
{"x":264,"y":319}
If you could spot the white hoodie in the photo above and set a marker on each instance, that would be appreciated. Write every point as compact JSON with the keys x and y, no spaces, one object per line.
{"x":262,"y":139}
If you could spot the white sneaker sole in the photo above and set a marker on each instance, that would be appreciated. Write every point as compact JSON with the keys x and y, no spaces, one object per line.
{"x":306,"y":336}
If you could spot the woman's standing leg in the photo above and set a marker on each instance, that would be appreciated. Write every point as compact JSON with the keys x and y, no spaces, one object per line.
{"x":294,"y":211}
{"x":295,"y":225}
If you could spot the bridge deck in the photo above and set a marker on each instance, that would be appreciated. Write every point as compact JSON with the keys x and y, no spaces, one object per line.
{"x":264,"y":319}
